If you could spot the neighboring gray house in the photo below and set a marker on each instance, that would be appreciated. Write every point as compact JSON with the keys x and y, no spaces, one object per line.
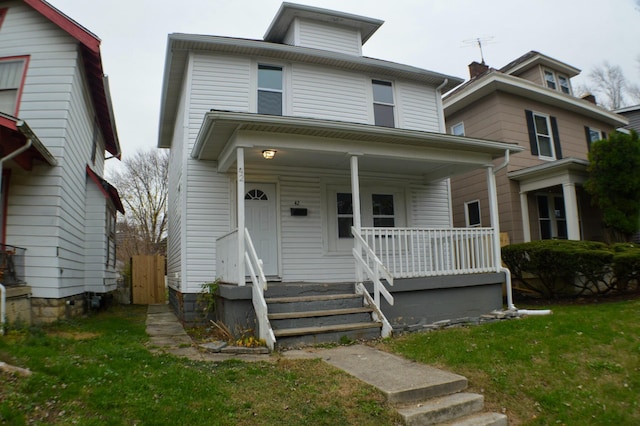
{"x":58,"y":213}
{"x":334,"y":166}
{"x":631,"y":113}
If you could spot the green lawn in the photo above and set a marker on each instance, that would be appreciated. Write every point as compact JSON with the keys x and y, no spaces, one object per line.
{"x":579,"y":366}
{"x":97,"y":371}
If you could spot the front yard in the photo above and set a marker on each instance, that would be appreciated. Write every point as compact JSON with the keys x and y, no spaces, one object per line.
{"x":580,"y":365}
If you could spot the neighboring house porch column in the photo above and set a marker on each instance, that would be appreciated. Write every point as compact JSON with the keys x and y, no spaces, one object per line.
{"x":355,"y":205}
{"x":571,"y":210}
{"x":241,"y":221}
{"x":526,"y":226}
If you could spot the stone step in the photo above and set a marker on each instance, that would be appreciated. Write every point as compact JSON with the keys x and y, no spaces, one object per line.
{"x":481,"y":419}
{"x":307,"y":289}
{"x":313,"y":303}
{"x":441,"y":410}
{"x":320,"y":318}
{"x":305,"y":336}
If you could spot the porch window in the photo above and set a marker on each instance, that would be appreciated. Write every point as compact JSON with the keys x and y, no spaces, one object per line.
{"x":345,"y":214}
{"x":11,"y":75}
{"x":382,"y":209}
{"x":552,"y":217}
{"x":269,"y":90}
{"x":383,"y":105}
{"x":472,"y":213}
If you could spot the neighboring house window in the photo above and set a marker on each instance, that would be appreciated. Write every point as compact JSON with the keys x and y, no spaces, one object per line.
{"x":472,"y":213}
{"x":383,"y":105}
{"x":111,"y":237}
{"x":345,"y":214}
{"x":543,"y":136}
{"x":593,"y":135}
{"x":552,"y":217}
{"x":270,"y":90}
{"x":458,"y":129}
{"x":382,"y":209}
{"x":564,"y":84}
{"x":11,"y":77}
{"x":550,"y":79}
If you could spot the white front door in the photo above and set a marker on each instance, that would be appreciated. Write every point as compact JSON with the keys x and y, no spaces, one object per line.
{"x":260,"y":219}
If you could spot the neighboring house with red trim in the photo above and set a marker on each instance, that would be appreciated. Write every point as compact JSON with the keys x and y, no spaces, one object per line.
{"x":56,"y":127}
{"x":335,"y":163}
{"x":530,"y":102}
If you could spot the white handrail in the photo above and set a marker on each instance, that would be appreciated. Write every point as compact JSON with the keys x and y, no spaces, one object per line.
{"x":374,"y":269}
{"x":256,"y":272}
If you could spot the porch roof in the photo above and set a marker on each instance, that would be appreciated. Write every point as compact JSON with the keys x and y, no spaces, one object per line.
{"x":566,"y":170}
{"x":14,"y":133}
{"x":309,"y":142}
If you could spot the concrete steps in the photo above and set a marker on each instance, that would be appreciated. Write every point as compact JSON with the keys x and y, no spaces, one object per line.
{"x":303,"y":314}
{"x":423,"y":395}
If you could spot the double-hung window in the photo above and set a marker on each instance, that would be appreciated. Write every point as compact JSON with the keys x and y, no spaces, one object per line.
{"x":270,"y":90}
{"x":550,"y":79}
{"x":564,"y":84}
{"x":383,"y":105}
{"x":11,"y":75}
{"x":543,"y":135}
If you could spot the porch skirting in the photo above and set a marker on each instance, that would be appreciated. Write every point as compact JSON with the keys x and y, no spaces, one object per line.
{"x":425,"y":300}
{"x":418,"y":301}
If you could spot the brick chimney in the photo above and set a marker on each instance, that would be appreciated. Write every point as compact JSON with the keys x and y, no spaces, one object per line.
{"x":589,"y":97}
{"x":475,"y":69}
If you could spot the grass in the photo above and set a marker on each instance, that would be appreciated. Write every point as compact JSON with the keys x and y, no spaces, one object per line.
{"x":98,"y":371}
{"x":579,"y":366}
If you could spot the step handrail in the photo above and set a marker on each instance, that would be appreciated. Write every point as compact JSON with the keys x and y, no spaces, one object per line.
{"x":259,"y":281}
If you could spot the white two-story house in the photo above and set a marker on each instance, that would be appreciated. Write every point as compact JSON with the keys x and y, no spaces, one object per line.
{"x":58,"y":214}
{"x":296,"y":160}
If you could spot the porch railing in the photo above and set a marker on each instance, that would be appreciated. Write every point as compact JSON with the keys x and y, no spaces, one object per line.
{"x":417,"y":252}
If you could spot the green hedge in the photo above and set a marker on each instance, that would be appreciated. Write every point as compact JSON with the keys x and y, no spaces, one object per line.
{"x":561,"y":268}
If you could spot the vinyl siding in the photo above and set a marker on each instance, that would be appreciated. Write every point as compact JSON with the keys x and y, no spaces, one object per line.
{"x":55,"y":105}
{"x":417,"y":107}
{"x":328,"y":94}
{"x":430,"y":205}
{"x":327,"y":37}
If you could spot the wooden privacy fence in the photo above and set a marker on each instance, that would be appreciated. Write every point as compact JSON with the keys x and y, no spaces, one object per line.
{"x":147,"y":280}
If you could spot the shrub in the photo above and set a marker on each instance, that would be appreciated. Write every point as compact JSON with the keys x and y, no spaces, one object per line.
{"x":626,"y":266}
{"x":555,"y":268}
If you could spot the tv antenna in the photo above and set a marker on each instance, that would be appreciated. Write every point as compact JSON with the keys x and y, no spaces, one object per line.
{"x":479,"y":41}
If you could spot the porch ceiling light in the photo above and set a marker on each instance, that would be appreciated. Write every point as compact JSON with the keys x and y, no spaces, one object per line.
{"x":268,"y":154}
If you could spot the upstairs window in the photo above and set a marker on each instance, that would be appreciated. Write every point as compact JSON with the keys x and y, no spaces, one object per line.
{"x":269,"y":90}
{"x":458,"y":129}
{"x":564,"y":84}
{"x":543,"y":135}
{"x":593,"y":135}
{"x":383,"y":105}
{"x":557,"y":81}
{"x":11,"y":76}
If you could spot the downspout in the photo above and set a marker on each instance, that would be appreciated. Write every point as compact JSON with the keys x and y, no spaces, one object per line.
{"x":3,"y":290}
{"x":507,"y":272}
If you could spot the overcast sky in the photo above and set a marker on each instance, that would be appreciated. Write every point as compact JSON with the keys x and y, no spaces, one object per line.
{"x":433,"y":34}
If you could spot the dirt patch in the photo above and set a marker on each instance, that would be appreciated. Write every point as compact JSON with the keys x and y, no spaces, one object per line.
{"x":74,"y":335}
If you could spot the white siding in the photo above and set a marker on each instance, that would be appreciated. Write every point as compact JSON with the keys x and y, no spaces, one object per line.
{"x":430,"y":205}
{"x":208,"y":217}
{"x":322,"y":36}
{"x":329,"y":94}
{"x":417,"y":107}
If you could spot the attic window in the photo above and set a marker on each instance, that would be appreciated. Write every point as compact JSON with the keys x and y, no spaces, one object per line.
{"x":564,"y":84}
{"x":550,"y":79}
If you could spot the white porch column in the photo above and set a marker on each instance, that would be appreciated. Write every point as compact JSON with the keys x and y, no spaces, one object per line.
{"x":526,"y":226}
{"x":493,"y":213}
{"x":355,"y":205}
{"x":241,"y":222}
{"x":571,"y":210}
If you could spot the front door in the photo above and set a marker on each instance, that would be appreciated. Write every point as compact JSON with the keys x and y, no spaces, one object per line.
{"x":260,"y":219}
